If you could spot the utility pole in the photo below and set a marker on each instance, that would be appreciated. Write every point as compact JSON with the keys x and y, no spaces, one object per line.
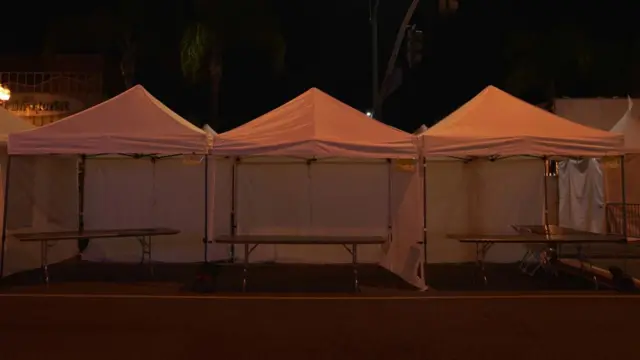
{"x":375,"y":86}
{"x":380,"y":89}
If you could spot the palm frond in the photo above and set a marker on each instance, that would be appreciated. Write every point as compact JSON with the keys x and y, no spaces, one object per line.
{"x":195,"y":45}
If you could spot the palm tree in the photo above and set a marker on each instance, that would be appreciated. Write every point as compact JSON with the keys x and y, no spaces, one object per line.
{"x":220,"y":25}
{"x":106,"y":31}
{"x":545,"y":62}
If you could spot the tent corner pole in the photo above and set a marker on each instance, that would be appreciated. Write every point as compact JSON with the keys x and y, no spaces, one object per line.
{"x":546,"y":195}
{"x":389,"y":205}
{"x":4,"y":214}
{"x":423,"y":163}
{"x":624,"y":196}
{"x":83,"y":242}
{"x":233,"y":219}
{"x":206,"y":209}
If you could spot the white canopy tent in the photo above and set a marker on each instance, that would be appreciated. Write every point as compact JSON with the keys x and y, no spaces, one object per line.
{"x":129,"y":150}
{"x":480,"y":195}
{"x":315,"y":166}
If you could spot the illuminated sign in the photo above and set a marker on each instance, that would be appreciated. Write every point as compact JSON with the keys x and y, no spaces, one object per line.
{"x":42,"y":104}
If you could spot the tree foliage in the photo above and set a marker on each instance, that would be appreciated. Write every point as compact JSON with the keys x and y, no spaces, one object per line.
{"x":222,"y":25}
{"x":547,"y":60}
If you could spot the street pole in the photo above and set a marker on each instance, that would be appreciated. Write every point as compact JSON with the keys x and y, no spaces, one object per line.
{"x":379,"y":90}
{"x":375,"y":91}
{"x":384,"y":87}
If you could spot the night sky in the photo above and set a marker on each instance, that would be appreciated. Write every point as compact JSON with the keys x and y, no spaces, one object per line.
{"x":329,"y":47}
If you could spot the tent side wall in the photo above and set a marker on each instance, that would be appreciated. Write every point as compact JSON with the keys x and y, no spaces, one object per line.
{"x":42,"y":197}
{"x":326,"y":197}
{"x":480,"y":197}
{"x":139,"y":193}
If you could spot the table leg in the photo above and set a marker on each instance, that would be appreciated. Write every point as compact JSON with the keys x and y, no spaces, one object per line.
{"x":481,"y":253}
{"x":145,"y":246}
{"x":149,"y":261}
{"x":354,"y":260}
{"x":582,"y":258}
{"x":44,"y":251}
{"x":245,"y":269}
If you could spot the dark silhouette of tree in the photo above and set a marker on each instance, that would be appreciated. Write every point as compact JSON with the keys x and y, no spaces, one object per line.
{"x":219,"y":26}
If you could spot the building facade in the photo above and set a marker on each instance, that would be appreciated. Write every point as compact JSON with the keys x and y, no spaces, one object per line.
{"x":47,"y":89}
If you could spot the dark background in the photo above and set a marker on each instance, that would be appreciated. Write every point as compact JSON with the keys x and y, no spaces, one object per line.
{"x":536,"y":49}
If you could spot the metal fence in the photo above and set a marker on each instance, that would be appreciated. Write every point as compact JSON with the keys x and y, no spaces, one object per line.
{"x":52,"y":82}
{"x":616,"y":217}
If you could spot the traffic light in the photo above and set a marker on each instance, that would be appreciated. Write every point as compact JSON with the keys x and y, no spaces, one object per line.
{"x":414,"y":46}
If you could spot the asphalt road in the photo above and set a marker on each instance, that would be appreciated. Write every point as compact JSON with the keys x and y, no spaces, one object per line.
{"x":600,"y":326}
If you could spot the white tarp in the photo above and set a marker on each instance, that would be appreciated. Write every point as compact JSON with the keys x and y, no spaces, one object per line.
{"x":581,"y":195}
{"x":133,"y":122}
{"x":345,"y":191}
{"x":495,"y":123}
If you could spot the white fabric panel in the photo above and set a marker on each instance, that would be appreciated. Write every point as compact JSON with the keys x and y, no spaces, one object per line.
{"x":42,"y":197}
{"x":118,"y":194}
{"x":447,"y":203}
{"x":287,"y":197}
{"x":179,"y":203}
{"x":581,"y":195}
{"x":139,"y":193}
{"x":271,"y":199}
{"x":346,"y":199}
{"x":404,"y":256}
{"x":481,"y":197}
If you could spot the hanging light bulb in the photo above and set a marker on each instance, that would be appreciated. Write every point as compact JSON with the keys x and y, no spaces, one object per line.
{"x":5,"y":93}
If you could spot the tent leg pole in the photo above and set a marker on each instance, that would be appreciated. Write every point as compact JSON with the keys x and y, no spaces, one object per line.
{"x":4,"y":215}
{"x":424,"y":220}
{"x":234,"y":186}
{"x":82,"y":243}
{"x":624,"y":196}
{"x":623,"y":184}
{"x":546,"y":194}
{"x":389,"y":207}
{"x":206,"y":209}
